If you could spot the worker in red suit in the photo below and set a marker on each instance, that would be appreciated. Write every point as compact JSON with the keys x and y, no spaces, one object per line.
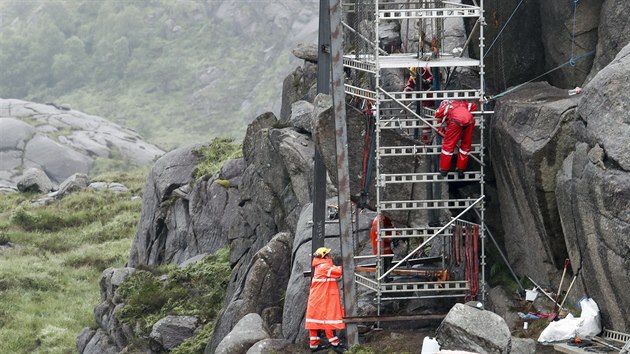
{"x":427,"y":78}
{"x":386,"y":243}
{"x":324,"y":311}
{"x":457,"y":123}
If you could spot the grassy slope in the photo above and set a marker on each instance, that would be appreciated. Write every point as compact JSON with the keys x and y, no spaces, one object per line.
{"x":48,"y":282}
{"x":49,"y":278}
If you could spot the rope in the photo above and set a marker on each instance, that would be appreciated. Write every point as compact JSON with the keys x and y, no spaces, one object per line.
{"x":368,"y":154}
{"x":502,"y":28}
{"x":572,"y":61}
{"x":541,"y":75}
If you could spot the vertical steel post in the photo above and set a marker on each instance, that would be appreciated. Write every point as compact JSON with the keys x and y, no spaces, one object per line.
{"x":341,"y":138}
{"x":482,"y":234}
{"x":319,"y":170}
{"x":377,"y":86}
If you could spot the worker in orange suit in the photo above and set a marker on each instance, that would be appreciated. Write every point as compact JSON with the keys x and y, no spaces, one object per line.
{"x":457,"y":122}
{"x":324,"y":311}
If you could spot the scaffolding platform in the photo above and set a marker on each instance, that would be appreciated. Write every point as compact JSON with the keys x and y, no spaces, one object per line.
{"x":408,"y":60}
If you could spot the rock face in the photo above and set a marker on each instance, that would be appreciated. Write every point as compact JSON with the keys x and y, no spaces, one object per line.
{"x":265,"y":192}
{"x":269,"y":346}
{"x":171,"y":331}
{"x":299,"y":85}
{"x":111,"y":336}
{"x":615,"y":29}
{"x":260,"y":291}
{"x":199,"y":217}
{"x":61,"y":142}
{"x":170,"y":172}
{"x":562,"y":176}
{"x":462,"y":330}
{"x":248,"y":331}
{"x":533,"y":131}
{"x":580,"y":39}
{"x":593,"y":190}
{"x":516,"y":54}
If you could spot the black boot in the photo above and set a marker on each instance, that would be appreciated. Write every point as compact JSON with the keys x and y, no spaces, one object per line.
{"x":341,"y":348}
{"x":319,"y":347}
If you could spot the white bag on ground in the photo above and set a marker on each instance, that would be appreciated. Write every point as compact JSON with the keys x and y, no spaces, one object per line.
{"x":588,"y":324}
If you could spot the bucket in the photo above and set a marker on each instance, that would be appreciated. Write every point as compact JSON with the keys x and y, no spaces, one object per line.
{"x":530,"y":295}
{"x":430,"y":346}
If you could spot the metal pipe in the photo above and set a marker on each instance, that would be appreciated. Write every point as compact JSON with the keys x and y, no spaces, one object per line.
{"x":482,"y":21}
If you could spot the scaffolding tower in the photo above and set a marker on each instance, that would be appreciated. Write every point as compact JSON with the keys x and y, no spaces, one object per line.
{"x":443,"y":252}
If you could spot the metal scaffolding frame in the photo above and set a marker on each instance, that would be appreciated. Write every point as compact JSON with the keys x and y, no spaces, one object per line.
{"x":364,"y":62}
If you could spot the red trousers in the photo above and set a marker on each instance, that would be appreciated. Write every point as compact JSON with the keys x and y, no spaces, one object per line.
{"x":314,"y":338}
{"x":453,"y":134}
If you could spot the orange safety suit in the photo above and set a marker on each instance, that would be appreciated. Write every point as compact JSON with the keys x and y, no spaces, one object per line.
{"x":386,"y":243}
{"x":456,"y":117}
{"x":324,"y":309}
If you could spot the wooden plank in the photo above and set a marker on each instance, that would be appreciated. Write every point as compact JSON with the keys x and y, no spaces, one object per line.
{"x":360,"y":319}
{"x":404,"y":271}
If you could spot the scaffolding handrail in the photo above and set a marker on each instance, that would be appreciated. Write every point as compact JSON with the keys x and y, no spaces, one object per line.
{"x":430,"y":238}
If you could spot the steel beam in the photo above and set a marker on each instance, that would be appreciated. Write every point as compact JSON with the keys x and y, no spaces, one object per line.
{"x":343,"y":180}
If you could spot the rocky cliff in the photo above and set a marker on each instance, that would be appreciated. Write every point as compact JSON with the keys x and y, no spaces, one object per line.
{"x":560,"y":164}
{"x":61,"y":141}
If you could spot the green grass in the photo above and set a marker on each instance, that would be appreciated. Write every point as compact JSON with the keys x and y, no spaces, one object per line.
{"x":196,"y":290}
{"x":213,"y":156}
{"x":49,"y":280}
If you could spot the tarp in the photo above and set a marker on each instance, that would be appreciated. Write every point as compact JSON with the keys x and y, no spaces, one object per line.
{"x":588,"y":324}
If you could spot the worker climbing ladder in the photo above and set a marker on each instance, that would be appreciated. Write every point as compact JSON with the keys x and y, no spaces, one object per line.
{"x":444,"y":254}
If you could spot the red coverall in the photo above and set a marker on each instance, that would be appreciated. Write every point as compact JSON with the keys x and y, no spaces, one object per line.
{"x":324,"y":309}
{"x":426,"y":83}
{"x":459,"y":123}
{"x":386,"y":243}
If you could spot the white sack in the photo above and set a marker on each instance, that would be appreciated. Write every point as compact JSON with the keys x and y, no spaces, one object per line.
{"x":588,"y":324}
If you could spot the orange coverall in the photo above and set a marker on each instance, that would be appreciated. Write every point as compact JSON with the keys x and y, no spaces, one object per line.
{"x":324,"y":309}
